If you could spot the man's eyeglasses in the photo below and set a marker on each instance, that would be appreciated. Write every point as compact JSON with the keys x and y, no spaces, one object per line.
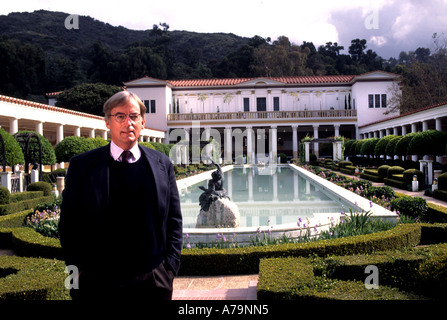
{"x":121,"y":117}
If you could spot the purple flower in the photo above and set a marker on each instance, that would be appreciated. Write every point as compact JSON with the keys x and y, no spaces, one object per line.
{"x":188,"y":246}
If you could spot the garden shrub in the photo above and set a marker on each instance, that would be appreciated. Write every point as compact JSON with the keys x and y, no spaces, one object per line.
{"x":429,"y":142}
{"x":401,"y":148}
{"x":147,"y":145}
{"x":32,"y":279}
{"x":391,"y":146}
{"x":432,"y":277}
{"x":282,"y":157}
{"x":383,"y":170}
{"x":379,"y":192}
{"x":48,"y":154}
{"x":345,"y":163}
{"x":14,"y":220}
{"x":41,"y":186}
{"x":347,"y":145}
{"x":298,"y":279}
{"x":358,"y":146}
{"x":72,"y":146}
{"x":408,"y":176}
{"x":368,"y":146}
{"x":13,"y":152}
{"x":414,"y":207}
{"x":394,"y":170}
{"x":245,"y":260}
{"x":4,"y":195}
{"x":440,"y":194}
{"x":380,"y":148}
{"x":442,"y":181}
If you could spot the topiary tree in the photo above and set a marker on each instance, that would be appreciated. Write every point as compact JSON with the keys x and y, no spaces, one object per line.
{"x":368,"y":146}
{"x":380,"y":149}
{"x":40,"y":186}
{"x":391,"y":146}
{"x":430,"y":142}
{"x":358,"y":146}
{"x":401,"y":148}
{"x":4,"y":195}
{"x":71,"y":146}
{"x":13,"y":152}
{"x":98,"y":142}
{"x":147,"y":144}
{"x":348,"y":145}
{"x":48,"y":155}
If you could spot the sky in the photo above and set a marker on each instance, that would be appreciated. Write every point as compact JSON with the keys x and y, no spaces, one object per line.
{"x":389,"y":26}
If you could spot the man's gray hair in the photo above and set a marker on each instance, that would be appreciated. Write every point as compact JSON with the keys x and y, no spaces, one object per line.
{"x":122,"y":98}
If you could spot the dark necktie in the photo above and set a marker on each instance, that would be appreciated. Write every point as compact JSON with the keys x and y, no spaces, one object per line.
{"x":125,"y":156}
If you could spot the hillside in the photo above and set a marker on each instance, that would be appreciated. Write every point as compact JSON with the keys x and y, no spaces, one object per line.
{"x":39,"y":55}
{"x":46,"y":29}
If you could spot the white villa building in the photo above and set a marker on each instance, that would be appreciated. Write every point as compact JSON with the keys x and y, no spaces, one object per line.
{"x":272,"y":114}
{"x":256,"y":118}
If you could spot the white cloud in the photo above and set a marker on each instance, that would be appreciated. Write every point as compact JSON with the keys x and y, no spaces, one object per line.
{"x":379,"y":41}
{"x":403,"y":23}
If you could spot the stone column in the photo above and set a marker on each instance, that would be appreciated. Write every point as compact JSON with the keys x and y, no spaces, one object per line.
{"x":77,"y":132}
{"x":39,"y":127}
{"x":273,"y":144}
{"x":295,"y":141}
{"x":316,"y":137}
{"x":404,"y":130}
{"x":250,"y":158}
{"x":336,"y":130}
{"x":59,"y":133}
{"x":306,"y":152}
{"x":228,"y":145}
{"x":13,"y":126}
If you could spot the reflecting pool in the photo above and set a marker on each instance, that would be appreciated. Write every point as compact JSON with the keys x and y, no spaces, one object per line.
{"x":274,"y":195}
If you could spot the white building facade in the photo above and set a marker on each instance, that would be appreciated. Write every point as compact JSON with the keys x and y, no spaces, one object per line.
{"x":258,"y":118}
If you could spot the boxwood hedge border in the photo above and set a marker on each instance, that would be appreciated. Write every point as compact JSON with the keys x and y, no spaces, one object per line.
{"x":29,"y":244}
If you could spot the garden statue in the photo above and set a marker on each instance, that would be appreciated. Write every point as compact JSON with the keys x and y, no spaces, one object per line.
{"x":215,"y":189}
{"x":217,"y":210}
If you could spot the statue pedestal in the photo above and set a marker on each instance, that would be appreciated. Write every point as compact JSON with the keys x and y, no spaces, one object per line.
{"x":222,"y":213}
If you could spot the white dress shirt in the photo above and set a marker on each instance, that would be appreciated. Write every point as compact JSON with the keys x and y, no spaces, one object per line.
{"x":116,"y":151}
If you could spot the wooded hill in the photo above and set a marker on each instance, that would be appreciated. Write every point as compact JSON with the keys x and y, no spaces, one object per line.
{"x":39,"y":54}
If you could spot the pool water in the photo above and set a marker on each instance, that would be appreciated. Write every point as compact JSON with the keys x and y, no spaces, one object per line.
{"x":266,"y":196}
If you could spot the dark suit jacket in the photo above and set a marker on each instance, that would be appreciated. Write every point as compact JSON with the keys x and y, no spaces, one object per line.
{"x":85,"y":201}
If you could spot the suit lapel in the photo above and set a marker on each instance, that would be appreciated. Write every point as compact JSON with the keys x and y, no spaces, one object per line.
{"x":159,"y":172}
{"x":99,"y":176}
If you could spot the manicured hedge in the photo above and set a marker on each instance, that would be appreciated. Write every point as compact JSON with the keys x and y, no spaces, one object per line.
{"x":13,"y":207}
{"x":372,"y":175}
{"x":32,"y":279}
{"x":29,"y":243}
{"x":246,"y":260}
{"x":296,"y":279}
{"x":423,"y":272}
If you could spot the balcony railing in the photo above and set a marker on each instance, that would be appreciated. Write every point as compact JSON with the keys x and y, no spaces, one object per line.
{"x":261,"y":115}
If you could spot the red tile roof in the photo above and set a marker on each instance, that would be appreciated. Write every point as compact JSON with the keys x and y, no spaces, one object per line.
{"x":407,"y":113}
{"x":285,"y":80}
{"x":47,"y":107}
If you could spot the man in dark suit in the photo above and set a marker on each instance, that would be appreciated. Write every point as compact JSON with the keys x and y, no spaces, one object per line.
{"x":121,"y":223}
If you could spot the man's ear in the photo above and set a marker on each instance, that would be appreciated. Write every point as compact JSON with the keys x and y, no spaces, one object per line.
{"x":107,"y":123}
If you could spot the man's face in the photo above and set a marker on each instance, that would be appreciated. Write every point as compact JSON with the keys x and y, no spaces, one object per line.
{"x":125,"y":135}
